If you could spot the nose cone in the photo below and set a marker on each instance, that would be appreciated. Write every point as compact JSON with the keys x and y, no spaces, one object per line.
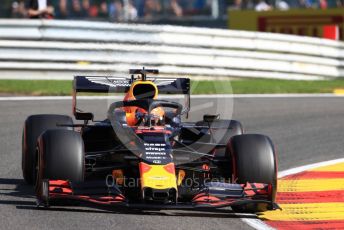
{"x":158,"y":176}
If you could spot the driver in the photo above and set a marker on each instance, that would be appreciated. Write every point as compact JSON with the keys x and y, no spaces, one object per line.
{"x":142,"y":90}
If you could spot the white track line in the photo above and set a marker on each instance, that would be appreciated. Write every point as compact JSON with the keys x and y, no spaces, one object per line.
{"x":51,"y":98}
{"x":308,"y":167}
{"x":268,"y":95}
{"x":259,"y":224}
{"x":42,"y":98}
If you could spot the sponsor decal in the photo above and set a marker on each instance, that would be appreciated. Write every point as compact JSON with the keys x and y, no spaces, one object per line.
{"x":122,"y":82}
{"x":156,"y":153}
{"x":110,"y":81}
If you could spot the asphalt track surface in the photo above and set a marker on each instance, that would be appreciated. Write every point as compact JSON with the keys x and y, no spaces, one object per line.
{"x":304,"y":130}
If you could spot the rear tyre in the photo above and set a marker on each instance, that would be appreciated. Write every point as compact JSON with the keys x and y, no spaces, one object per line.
{"x":34,"y":126}
{"x":254,"y":160}
{"x":223,"y":130}
{"x":60,"y":156}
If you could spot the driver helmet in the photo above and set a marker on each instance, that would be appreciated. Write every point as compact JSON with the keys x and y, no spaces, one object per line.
{"x":137,"y":91}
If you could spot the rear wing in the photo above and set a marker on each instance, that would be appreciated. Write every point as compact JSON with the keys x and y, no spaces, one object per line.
{"x":98,"y":84}
{"x":107,"y":84}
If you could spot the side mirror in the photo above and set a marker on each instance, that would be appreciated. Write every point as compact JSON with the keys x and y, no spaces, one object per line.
{"x":210,"y":118}
{"x":83,"y":116}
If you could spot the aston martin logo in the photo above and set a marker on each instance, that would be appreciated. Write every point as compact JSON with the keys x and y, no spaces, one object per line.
{"x":110,"y":81}
{"x":163,"y":81}
{"x":123,"y":82}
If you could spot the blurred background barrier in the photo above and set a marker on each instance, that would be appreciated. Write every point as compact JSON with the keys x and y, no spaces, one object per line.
{"x":303,"y":22}
{"x":54,"y":49}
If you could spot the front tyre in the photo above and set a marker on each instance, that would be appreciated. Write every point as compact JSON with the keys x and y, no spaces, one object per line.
{"x":60,"y":157}
{"x":254,"y":160}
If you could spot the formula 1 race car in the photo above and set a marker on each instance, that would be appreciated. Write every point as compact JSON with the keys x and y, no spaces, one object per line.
{"x":144,"y":156}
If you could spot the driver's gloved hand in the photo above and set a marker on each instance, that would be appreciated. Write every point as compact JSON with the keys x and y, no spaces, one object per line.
{"x":139,"y":115}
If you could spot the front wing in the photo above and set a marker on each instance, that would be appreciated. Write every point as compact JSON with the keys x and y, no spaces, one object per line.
{"x":213,"y":195}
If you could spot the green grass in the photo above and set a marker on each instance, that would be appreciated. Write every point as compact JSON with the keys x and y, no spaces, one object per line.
{"x":264,"y":86}
{"x":254,"y":86}
{"x":35,"y":87}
